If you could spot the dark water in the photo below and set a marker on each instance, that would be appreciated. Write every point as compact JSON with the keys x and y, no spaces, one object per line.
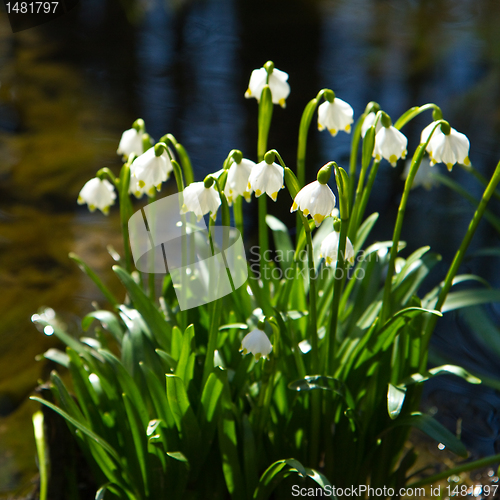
{"x":69,"y":88}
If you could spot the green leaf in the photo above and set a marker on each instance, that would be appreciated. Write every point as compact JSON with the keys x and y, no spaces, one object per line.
{"x":228,"y":444}
{"x":441,"y":370}
{"x":140,"y":442}
{"x":184,"y":416}
{"x":364,"y":231}
{"x":101,"y":442}
{"x":395,"y":399}
{"x":313,"y":382}
{"x":467,"y":298}
{"x":185,"y":365}
{"x":291,"y":182}
{"x":210,"y":405}
{"x":93,"y":276}
{"x":238,"y":326}
{"x":57,"y":356}
{"x":435,"y":430}
{"x":108,"y":320}
{"x":281,"y":469}
{"x":151,"y":315}
{"x":282,"y":242}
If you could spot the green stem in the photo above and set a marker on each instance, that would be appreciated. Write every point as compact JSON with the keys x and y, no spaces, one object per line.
{"x":415,"y":164}
{"x":265,"y":116}
{"x":238,"y":214}
{"x":42,"y":451}
{"x":368,"y":144}
{"x":125,"y":211}
{"x":365,"y":197}
{"x":212,"y":339}
{"x":386,"y":304}
{"x":459,"y":256}
{"x":481,"y":178}
{"x":412,"y":113}
{"x":354,"y":155}
{"x":331,"y":338}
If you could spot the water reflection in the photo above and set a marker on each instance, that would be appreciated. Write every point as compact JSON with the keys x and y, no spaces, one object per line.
{"x":68,"y":89}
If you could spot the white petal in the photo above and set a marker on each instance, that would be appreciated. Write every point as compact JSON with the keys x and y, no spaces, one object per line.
{"x":256,"y":342}
{"x":130,"y":142}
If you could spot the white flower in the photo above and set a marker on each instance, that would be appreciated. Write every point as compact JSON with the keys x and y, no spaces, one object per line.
{"x":335,"y":116}
{"x":316,"y":200}
{"x":390,"y":144}
{"x":330,"y":248}
{"x":97,"y":193}
{"x":266,"y":178}
{"x":277,"y":83}
{"x":201,"y":200}
{"x":131,"y":142}
{"x":448,"y":149}
{"x":237,"y":180}
{"x":151,"y":170}
{"x":423,"y":176}
{"x":256,"y":342}
{"x":368,"y":122}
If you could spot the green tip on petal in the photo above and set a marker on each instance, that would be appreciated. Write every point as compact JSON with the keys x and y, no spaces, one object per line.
{"x":258,"y":356}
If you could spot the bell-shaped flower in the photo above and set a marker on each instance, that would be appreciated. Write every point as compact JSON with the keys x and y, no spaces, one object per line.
{"x":315,"y":199}
{"x":256,"y":342}
{"x":368,"y":122}
{"x":446,"y":148}
{"x":97,"y":193}
{"x":151,"y":170}
{"x":266,"y":178}
{"x":130,"y":142}
{"x":280,"y":89}
{"x":201,"y":200}
{"x":423,"y":177}
{"x":334,"y":116}
{"x":330,"y":248}
{"x":237,"y":180}
{"x":390,"y":144}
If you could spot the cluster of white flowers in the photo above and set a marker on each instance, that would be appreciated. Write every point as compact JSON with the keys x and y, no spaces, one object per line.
{"x":152,"y":167}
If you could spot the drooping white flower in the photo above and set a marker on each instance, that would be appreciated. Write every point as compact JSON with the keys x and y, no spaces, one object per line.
{"x":330,"y":248}
{"x":97,"y":193}
{"x":315,"y":199}
{"x":151,"y":170}
{"x":130,"y":142}
{"x":266,"y":178}
{"x":256,"y":342}
{"x":446,"y":148}
{"x":368,"y":122}
{"x":280,"y":89}
{"x":237,"y":180}
{"x":201,"y":200}
{"x":423,"y":176}
{"x":390,"y":144}
{"x":335,"y":116}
